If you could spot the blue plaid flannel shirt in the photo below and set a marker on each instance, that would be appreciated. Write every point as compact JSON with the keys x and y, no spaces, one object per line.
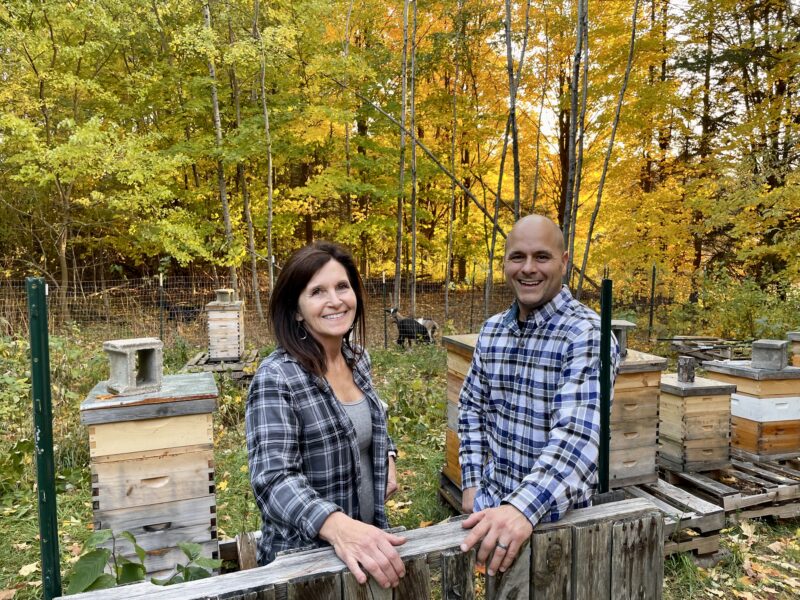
{"x":529,"y":410}
{"x":303,"y":452}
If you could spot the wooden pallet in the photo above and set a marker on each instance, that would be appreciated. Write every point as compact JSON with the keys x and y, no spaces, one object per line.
{"x":243,"y":368}
{"x":747,"y":490}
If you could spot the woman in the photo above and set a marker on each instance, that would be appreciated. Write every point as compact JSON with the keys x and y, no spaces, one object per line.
{"x":321,"y":461}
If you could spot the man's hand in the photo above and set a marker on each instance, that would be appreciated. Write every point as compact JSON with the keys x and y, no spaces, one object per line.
{"x":468,"y":499}
{"x":391,"y":480}
{"x":361,"y":545}
{"x":503,"y":529}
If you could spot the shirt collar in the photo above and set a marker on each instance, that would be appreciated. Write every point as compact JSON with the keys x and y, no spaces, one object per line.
{"x":540,"y":315}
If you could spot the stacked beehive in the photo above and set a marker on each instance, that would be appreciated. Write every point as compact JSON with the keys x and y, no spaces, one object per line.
{"x":459,"y":356}
{"x":694,"y":421}
{"x":151,"y":452}
{"x":765,"y":410}
{"x":225,"y":327}
{"x":634,"y":413}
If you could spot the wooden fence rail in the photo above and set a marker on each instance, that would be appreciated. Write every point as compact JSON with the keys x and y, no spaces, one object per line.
{"x":609,"y":552}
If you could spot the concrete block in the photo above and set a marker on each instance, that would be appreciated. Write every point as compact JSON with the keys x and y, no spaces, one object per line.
{"x":686,"y":369}
{"x":770,"y":354}
{"x":137,"y":365}
{"x":620,"y":328}
{"x":225,"y":295}
{"x":793,"y":336}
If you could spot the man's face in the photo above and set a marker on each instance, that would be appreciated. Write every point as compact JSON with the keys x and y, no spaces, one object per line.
{"x":534,"y":264}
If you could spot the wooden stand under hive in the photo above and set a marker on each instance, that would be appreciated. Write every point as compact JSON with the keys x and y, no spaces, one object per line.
{"x":694,"y":424}
{"x":225,"y":327}
{"x":152,"y":462}
{"x":765,"y":410}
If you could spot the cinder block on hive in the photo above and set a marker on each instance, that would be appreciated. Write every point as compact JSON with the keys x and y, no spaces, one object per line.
{"x":769,"y":354}
{"x":620,"y":329}
{"x":137,"y":365}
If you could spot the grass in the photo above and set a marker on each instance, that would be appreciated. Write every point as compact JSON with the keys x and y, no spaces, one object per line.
{"x":762,"y":560}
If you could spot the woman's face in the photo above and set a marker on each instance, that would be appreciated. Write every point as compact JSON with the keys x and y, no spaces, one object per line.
{"x":327,"y":305}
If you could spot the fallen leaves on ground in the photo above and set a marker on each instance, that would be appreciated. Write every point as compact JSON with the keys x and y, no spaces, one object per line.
{"x":29,"y":569}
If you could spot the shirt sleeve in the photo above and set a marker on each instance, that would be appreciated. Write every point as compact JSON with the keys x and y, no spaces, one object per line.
{"x":471,"y":421}
{"x":281,"y":490}
{"x":566,"y":470}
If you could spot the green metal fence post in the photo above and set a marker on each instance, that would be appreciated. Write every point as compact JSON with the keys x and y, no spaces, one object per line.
{"x":43,"y":437}
{"x":605,"y":383}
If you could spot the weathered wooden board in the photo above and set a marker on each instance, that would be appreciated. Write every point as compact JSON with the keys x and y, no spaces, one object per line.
{"x":416,"y":585}
{"x":149,"y":411}
{"x":638,"y":362}
{"x":637,"y":564}
{"x":352,"y":590}
{"x":452,"y":416}
{"x":696,"y":406}
{"x":168,"y":538}
{"x":322,"y":587}
{"x":461,"y":344}
{"x":458,"y":582}
{"x":454,"y":384}
{"x":458,"y":365}
{"x":144,"y":481}
{"x":149,"y":434}
{"x":174,"y":390}
{"x":705,"y":427}
{"x":551,"y":564}
{"x":421,"y":542}
{"x":591,"y":567}
{"x":515,"y":582}
{"x":158,"y":517}
{"x":160,"y":559}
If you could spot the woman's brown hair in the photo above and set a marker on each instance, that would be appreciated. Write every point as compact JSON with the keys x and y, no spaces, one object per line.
{"x":283,"y":305}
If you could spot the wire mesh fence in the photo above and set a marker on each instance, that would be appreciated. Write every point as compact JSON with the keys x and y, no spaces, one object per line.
{"x":174,"y":309}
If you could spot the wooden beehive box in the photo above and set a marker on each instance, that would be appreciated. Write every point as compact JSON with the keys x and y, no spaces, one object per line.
{"x":794,"y":341}
{"x":765,"y":410}
{"x":634,"y":414}
{"x":225,"y":327}
{"x":634,"y":420}
{"x":694,"y":424}
{"x":152,"y":467}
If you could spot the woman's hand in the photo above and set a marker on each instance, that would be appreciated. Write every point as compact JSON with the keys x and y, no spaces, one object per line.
{"x":391,"y":480}
{"x":361,"y":545}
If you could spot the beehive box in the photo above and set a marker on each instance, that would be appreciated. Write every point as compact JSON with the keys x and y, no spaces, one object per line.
{"x":634,"y":414}
{"x":634,"y":420}
{"x":694,"y":424}
{"x":765,"y":410}
{"x":794,"y":341}
{"x":225,"y":327}
{"x":152,"y":467}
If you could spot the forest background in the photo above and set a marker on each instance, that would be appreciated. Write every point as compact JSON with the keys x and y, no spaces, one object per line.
{"x":214,"y":138}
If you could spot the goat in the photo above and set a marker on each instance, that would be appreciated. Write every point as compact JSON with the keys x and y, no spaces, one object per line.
{"x":408,"y":329}
{"x":431,"y":325}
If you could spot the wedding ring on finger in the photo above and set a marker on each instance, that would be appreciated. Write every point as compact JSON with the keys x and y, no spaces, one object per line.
{"x":501,"y":545}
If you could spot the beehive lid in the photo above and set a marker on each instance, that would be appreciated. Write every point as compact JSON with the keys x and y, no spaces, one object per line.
{"x":699,"y":387}
{"x":189,"y":393}
{"x":743,"y":368}
{"x":640,"y":362}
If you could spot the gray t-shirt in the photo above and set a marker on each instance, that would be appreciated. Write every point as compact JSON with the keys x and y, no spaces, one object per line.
{"x":362,"y":421}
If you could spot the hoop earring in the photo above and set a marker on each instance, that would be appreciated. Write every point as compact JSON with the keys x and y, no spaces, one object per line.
{"x":302,"y":333}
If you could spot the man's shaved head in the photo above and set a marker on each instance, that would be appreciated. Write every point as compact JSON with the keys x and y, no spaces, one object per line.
{"x":542,"y":225}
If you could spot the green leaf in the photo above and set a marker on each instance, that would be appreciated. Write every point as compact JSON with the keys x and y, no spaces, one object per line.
{"x":97,"y":538}
{"x":191,"y":550}
{"x":208,"y":563}
{"x":131,"y":572}
{"x":128,"y":536}
{"x":103,"y":582}
{"x":194,"y":573}
{"x":176,"y":578}
{"x":139,"y":552}
{"x":87,"y":570}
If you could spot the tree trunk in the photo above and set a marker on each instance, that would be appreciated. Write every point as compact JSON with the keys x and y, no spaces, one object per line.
{"x":413,"y":128}
{"x":398,"y":268}
{"x":223,"y":194}
{"x":607,"y":159}
{"x":539,"y":117}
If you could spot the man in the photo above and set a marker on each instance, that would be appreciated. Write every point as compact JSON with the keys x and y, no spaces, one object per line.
{"x":529,"y":418}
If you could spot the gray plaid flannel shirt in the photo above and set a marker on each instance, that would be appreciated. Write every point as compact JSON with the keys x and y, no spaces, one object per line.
{"x":529,"y":410}
{"x":303,"y":453}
